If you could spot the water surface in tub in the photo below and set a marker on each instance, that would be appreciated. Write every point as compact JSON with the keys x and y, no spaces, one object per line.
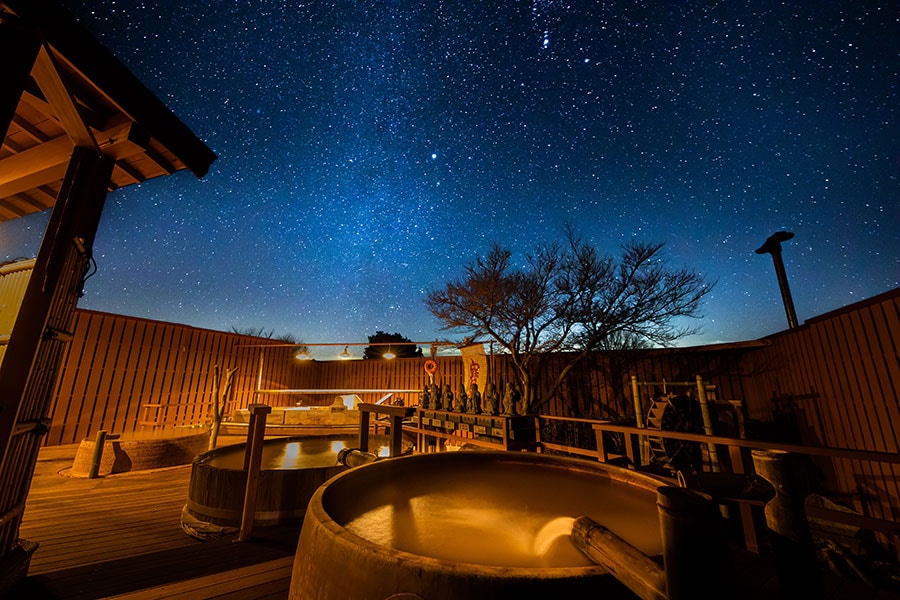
{"x":315,"y":451}
{"x":506,"y":517}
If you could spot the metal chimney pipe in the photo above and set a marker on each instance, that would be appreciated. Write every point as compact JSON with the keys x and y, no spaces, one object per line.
{"x":773,"y":247}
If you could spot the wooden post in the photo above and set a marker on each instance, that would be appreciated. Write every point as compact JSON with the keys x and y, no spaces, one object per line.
{"x":707,"y":423}
{"x":751,"y":541}
{"x":792,"y":544}
{"x":363,"y":430}
{"x":639,"y":422}
{"x":396,"y":435}
{"x":695,"y":556}
{"x":602,"y":453}
{"x":34,"y":352}
{"x":97,"y":456}
{"x":252,"y":460}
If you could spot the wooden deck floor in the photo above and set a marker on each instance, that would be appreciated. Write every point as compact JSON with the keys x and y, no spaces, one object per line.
{"x":119,"y":537}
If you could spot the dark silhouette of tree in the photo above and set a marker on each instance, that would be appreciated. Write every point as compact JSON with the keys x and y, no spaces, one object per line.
{"x":567,"y":298}
{"x":400,"y":346}
{"x":261,"y":332}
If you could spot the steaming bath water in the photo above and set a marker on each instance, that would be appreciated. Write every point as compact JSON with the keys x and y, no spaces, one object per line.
{"x":506,"y":518}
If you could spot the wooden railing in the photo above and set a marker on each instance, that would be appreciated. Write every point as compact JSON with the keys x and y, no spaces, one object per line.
{"x":738,"y":463}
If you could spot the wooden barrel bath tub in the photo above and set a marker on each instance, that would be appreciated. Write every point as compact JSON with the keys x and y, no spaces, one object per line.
{"x":474,"y":525}
{"x":292,"y":469}
{"x":140,"y":452}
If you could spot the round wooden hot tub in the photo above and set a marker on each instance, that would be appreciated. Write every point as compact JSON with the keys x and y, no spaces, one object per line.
{"x":292,"y":469}
{"x":140,"y":451}
{"x":474,"y":525}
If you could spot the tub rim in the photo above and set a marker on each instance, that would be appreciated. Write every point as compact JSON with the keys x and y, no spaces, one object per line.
{"x":203,"y":458}
{"x":316,"y":510}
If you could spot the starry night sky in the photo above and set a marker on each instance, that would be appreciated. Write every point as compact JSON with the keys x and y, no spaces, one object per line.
{"x":369,"y":149}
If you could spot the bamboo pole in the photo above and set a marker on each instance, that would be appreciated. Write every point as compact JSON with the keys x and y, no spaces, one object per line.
{"x":97,"y":456}
{"x":707,"y":423}
{"x":639,"y":420}
{"x":634,"y":569}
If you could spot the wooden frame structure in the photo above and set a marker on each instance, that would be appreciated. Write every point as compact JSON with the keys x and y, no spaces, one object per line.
{"x":76,"y":124}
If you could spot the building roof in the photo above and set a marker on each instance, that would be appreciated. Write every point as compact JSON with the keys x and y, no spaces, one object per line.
{"x":78,"y":93}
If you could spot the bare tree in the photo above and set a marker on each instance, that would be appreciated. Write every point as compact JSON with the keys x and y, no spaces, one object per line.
{"x":568,"y":298}
{"x":220,"y":401}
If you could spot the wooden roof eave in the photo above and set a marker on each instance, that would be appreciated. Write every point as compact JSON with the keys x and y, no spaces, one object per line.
{"x":80,"y":50}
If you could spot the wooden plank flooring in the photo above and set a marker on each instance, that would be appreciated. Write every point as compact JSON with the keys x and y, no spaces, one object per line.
{"x":120,"y":537}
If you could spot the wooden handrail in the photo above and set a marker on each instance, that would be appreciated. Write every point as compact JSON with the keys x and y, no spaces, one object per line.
{"x":735,"y":444}
{"x":846,"y":453}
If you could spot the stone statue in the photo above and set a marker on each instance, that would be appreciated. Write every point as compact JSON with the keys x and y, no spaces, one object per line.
{"x":517,"y":396}
{"x":475,"y":400}
{"x":447,"y":397}
{"x":435,"y":393}
{"x":424,"y":398}
{"x":491,"y":399}
{"x":509,"y":400}
{"x":461,"y":399}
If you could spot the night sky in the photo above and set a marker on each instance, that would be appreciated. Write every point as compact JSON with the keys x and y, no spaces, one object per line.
{"x":368,"y":150}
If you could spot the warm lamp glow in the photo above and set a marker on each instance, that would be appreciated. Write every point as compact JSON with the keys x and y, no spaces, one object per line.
{"x":389,"y":355}
{"x":345,"y":354}
{"x":302,"y":354}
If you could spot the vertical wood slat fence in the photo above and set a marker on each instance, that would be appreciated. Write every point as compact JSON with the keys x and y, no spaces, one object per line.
{"x":834,"y":381}
{"x":128,"y":375}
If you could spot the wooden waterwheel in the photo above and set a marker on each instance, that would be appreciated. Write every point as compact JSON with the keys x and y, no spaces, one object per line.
{"x":674,"y":412}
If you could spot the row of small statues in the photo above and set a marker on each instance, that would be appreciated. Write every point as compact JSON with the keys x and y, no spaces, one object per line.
{"x":437,"y":398}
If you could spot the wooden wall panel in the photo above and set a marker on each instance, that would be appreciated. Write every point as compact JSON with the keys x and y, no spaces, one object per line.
{"x":833,"y":381}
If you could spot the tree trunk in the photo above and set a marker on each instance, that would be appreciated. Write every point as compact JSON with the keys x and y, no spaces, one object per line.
{"x":219,"y":404}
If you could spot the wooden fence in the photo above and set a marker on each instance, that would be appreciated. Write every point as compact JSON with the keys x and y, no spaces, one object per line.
{"x":834,"y":381}
{"x":127,"y":375}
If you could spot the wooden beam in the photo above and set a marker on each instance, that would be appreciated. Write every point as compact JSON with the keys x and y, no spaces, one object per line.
{"x":46,"y":163}
{"x":30,"y":181}
{"x":32,"y":132}
{"x":39,"y":104}
{"x":133,"y":174}
{"x":53,"y":87}
{"x":15,"y":210}
{"x":77,"y":213}
{"x":34,"y":160}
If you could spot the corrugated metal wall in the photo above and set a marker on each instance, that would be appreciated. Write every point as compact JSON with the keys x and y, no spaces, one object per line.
{"x":13,"y":281}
